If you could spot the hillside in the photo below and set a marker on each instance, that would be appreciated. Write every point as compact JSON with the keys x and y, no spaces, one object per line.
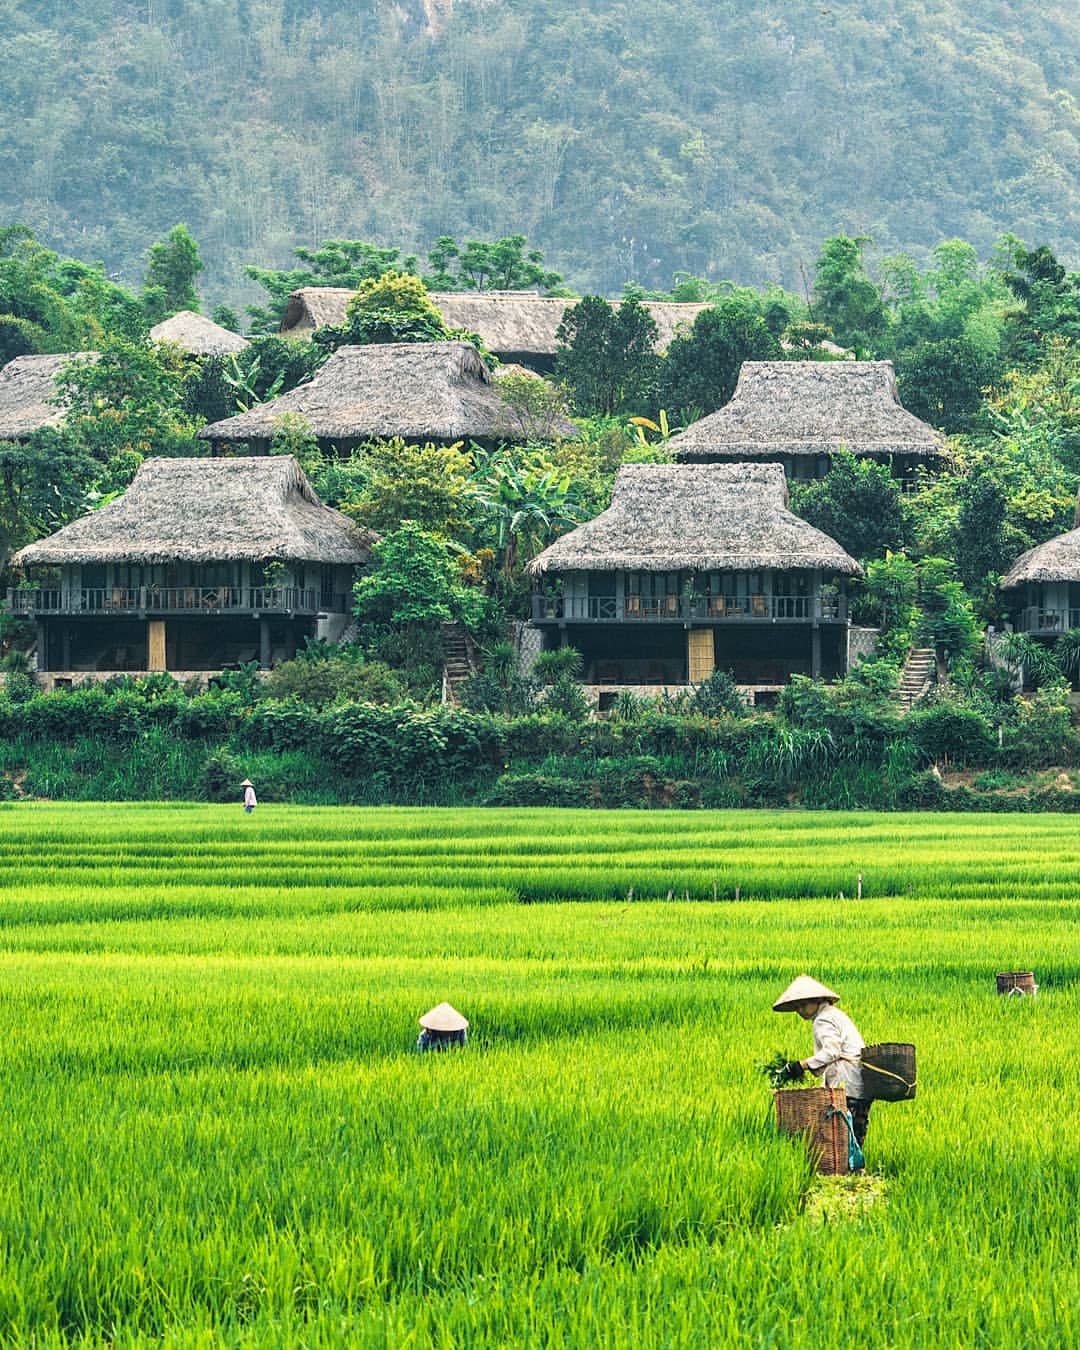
{"x":627,"y":139}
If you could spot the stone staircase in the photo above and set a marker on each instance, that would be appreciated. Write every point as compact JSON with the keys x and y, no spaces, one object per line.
{"x":460,"y":660}
{"x":916,"y":677}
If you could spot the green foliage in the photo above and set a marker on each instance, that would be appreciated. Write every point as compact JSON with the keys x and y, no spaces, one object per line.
{"x":605,"y":356}
{"x":845,"y":299}
{"x":982,"y":545}
{"x":1050,"y":303}
{"x":718,"y":696}
{"x":428,"y":484}
{"x":344,"y":263}
{"x":886,"y":597}
{"x":333,"y":677}
{"x":128,"y":399}
{"x":942,"y":382}
{"x":525,"y":498}
{"x":947,"y":621}
{"x":857,"y":503}
{"x":170,"y":278}
{"x":410,"y":580}
{"x":43,"y":485}
{"x":699,"y":372}
{"x":502,"y":265}
{"x":533,"y":407}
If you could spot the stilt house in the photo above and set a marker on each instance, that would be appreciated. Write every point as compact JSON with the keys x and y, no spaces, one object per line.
{"x":518,"y":326}
{"x":199,"y":565}
{"x":425,"y":391}
{"x":800,"y":413}
{"x":693,"y":568}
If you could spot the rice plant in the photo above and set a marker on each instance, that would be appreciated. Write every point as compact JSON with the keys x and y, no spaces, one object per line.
{"x":217,"y":1132}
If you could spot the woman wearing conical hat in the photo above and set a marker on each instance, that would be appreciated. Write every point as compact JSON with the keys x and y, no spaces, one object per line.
{"x":837,"y":1045}
{"x":441,"y":1027}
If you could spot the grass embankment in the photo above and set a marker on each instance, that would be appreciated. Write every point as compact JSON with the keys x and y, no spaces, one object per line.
{"x":216,"y":1132}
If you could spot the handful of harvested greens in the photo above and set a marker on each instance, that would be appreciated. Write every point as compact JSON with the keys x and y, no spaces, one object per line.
{"x":775,"y":1071}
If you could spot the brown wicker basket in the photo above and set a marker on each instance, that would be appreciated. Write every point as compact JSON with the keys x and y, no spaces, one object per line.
{"x":1017,"y":982}
{"x":888,"y":1071}
{"x":811,"y":1111}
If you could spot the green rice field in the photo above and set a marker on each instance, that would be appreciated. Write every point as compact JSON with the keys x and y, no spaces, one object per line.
{"x":216,"y":1131}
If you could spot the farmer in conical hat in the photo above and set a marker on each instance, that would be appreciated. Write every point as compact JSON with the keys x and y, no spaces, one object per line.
{"x":837,"y":1045}
{"x":250,"y":800}
{"x":441,"y":1027}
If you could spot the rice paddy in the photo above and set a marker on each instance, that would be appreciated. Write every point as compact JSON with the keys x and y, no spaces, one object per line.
{"x":216,"y":1132}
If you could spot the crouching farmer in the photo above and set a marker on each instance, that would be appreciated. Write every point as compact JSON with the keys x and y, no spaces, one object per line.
{"x":837,"y":1046}
{"x":441,"y":1028}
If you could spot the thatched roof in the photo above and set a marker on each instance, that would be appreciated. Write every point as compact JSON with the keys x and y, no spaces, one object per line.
{"x":420,"y":391}
{"x":197,"y":335}
{"x":26,"y":386}
{"x":512,"y":323}
{"x":202,"y":510}
{"x":783,"y":408}
{"x":1056,"y":560}
{"x":712,"y":517}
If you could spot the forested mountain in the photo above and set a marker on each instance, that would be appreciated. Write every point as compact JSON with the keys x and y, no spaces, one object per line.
{"x":626,"y":138}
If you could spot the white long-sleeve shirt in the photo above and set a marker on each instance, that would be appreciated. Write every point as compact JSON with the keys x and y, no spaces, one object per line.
{"x":837,"y":1045}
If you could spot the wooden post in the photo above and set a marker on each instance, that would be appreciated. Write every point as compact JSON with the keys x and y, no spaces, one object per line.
{"x":264,"y":644}
{"x":714,"y":892}
{"x":670,"y":894}
{"x":858,"y":892}
{"x":630,"y":893}
{"x":156,"y":644}
{"x":738,"y":889}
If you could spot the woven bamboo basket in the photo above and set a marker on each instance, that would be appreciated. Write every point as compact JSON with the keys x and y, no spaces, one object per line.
{"x":1017,"y":982}
{"x":809,"y":1111}
{"x":888,"y":1072}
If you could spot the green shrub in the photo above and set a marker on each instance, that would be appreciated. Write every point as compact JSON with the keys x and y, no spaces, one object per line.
{"x":951,"y":732}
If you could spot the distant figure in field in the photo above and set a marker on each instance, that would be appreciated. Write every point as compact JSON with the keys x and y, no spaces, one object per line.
{"x":441,"y":1028}
{"x":837,"y":1046}
{"x":250,"y":800}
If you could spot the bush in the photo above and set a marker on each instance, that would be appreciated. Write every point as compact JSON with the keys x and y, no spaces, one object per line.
{"x":334,"y":679}
{"x":952,"y":733}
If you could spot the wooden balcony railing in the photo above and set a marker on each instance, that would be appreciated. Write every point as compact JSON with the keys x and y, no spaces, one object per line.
{"x":763,"y":608}
{"x":1036,"y":619}
{"x":143,"y":600}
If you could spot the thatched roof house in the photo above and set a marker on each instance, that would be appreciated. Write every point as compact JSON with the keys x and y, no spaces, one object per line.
{"x":515,"y":325}
{"x":198,"y":510}
{"x":715,"y":517}
{"x":786,"y":411}
{"x":438,"y":391}
{"x":1056,"y":560}
{"x":198,"y":335}
{"x":27,"y":391}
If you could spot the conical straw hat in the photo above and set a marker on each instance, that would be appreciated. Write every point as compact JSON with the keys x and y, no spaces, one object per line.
{"x":444,"y":1018}
{"x":802,"y":990}
{"x":247,"y":783}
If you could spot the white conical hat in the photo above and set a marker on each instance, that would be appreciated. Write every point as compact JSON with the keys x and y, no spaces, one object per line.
{"x":444,"y":1018}
{"x":801,"y":990}
{"x":247,"y":783}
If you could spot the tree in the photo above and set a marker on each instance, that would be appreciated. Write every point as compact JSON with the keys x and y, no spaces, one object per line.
{"x":858,"y":503}
{"x":844,"y":296}
{"x":336,"y":262}
{"x":1050,"y":303}
{"x":410,"y":580}
{"x":501,"y":265}
{"x":534,"y":407}
{"x":524,"y":501}
{"x":943,"y":382}
{"x":170,"y":278}
{"x":701,"y":368}
{"x":394,"y":307}
{"x":43,"y":485}
{"x":128,"y":400}
{"x":982,"y":545}
{"x":427,"y":484}
{"x":606,"y":355}
{"x":948,"y":619}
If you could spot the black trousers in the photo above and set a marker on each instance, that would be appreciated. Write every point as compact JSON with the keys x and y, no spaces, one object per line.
{"x":860,"y":1118}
